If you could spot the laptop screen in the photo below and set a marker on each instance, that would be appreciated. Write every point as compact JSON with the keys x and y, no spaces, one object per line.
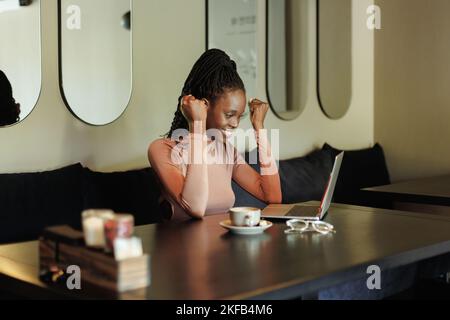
{"x":329,"y":191}
{"x":306,"y":211}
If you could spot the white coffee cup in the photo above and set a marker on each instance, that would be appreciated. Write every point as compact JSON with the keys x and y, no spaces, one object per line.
{"x":245,"y":216}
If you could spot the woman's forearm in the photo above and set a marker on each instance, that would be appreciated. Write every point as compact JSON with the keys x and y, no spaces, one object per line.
{"x":265,"y":186}
{"x":269,"y":177}
{"x":265,"y":157}
{"x":194,"y":197}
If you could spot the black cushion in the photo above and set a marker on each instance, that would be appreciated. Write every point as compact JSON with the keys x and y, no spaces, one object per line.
{"x":244,"y":198}
{"x":305,"y":178}
{"x":136,"y":192}
{"x":360,"y":169}
{"x":30,"y":202}
{"x":302,"y":179}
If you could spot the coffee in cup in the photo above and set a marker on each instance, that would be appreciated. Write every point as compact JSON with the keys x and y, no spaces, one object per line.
{"x":245,"y":216}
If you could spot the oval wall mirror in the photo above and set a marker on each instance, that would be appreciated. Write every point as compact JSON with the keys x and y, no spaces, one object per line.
{"x":20,"y":59}
{"x":334,"y":61}
{"x":95,"y":52}
{"x":287,"y":56}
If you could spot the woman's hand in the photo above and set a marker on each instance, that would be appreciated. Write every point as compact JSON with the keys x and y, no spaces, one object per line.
{"x":258,"y":112}
{"x":195,"y":111}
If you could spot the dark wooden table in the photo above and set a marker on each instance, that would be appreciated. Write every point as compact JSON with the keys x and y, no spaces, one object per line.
{"x":434,"y":191}
{"x":201,"y":260}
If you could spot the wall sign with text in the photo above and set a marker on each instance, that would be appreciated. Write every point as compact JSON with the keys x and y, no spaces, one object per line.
{"x":232,"y":27}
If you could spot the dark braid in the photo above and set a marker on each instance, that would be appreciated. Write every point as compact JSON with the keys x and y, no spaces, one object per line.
{"x":8,"y":109}
{"x":212,"y":75}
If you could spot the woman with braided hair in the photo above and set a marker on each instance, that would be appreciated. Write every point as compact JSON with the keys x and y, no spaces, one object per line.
{"x":195,"y":180}
{"x":9,"y":109}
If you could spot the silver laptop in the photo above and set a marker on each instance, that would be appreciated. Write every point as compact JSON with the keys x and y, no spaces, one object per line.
{"x":305,"y":212}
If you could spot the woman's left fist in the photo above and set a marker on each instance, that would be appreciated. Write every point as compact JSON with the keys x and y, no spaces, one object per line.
{"x":258,"y":112}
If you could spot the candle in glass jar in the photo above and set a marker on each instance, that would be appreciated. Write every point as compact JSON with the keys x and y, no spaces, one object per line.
{"x":93,"y":227}
{"x":121,"y":226}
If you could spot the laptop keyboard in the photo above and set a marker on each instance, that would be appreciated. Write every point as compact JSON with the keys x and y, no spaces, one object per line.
{"x":303,"y":211}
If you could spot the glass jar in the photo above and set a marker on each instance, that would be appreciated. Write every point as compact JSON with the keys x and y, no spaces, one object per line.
{"x":93,"y":226}
{"x":119,"y":226}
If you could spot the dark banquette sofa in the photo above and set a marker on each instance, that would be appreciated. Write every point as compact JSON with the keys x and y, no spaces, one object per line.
{"x":29,"y":202}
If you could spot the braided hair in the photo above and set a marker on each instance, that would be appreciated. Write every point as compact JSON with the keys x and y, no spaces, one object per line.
{"x":213,"y":74}
{"x":8,"y":109}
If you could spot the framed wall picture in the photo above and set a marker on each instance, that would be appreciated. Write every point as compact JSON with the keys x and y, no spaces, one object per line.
{"x":232,"y":27}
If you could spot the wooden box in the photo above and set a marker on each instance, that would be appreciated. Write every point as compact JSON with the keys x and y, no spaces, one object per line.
{"x":62,"y":246}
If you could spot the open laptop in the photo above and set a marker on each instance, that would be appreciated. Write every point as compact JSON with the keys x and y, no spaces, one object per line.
{"x":305,"y":212}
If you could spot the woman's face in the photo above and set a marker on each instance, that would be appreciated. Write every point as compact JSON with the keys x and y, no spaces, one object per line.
{"x":227,"y":111}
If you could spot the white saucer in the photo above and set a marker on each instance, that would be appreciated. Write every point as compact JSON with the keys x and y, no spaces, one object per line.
{"x":246,"y":230}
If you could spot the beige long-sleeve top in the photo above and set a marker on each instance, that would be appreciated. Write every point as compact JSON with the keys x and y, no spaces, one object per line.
{"x":197,"y":184}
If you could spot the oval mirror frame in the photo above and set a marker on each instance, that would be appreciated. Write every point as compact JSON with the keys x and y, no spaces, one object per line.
{"x":116,"y":93}
{"x":288,"y":93}
{"x":26,"y":96}
{"x":334,"y":72}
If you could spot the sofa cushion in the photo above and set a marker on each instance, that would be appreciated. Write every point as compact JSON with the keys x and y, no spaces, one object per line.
{"x":136,"y":192}
{"x":30,"y":202}
{"x":302,"y":179}
{"x":305,"y":178}
{"x":360,"y":169}
{"x":244,"y":198}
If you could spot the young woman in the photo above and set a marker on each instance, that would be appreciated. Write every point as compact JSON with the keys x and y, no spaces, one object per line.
{"x":195,"y":179}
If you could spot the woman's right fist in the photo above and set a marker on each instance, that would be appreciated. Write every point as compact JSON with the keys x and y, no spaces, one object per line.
{"x":193,"y":109}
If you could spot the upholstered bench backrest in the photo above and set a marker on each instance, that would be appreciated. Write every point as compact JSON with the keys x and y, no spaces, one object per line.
{"x":29,"y":202}
{"x":304,"y":178}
